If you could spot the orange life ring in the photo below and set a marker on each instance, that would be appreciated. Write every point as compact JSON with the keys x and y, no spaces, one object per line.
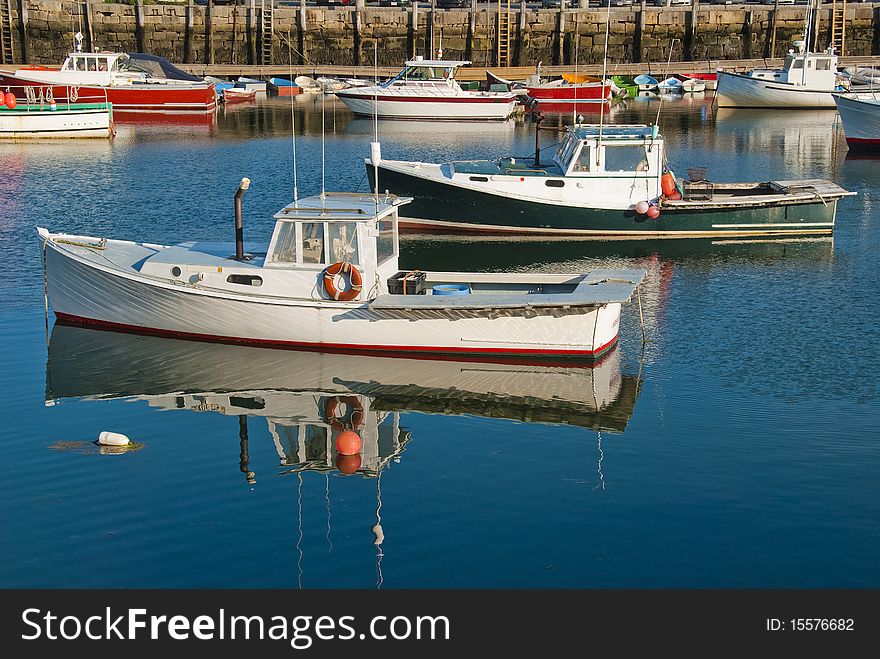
{"x":354,"y":281}
{"x":352,"y":420}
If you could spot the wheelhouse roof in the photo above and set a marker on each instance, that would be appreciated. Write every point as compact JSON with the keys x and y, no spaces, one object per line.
{"x":445,"y":63}
{"x":341,"y":207}
{"x":616,"y":131}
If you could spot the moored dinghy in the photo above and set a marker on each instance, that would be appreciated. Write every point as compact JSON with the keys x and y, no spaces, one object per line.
{"x":646,"y":83}
{"x":329,"y":280}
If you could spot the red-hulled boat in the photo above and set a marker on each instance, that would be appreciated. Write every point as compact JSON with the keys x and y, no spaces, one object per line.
{"x":134,"y":82}
{"x":572,"y":89}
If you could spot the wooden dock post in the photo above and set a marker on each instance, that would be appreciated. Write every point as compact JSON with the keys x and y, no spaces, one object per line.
{"x":357,"y":21}
{"x":875,"y":46}
{"x":139,"y":25}
{"x":87,"y":20}
{"x":252,"y":33}
{"x":412,"y":36}
{"x":747,"y":35}
{"x":209,"y":32}
{"x":23,"y":31}
{"x":469,"y":39}
{"x":638,"y":48}
{"x":521,"y":35}
{"x":560,"y":35}
{"x":690,"y":39}
{"x":773,"y":29}
{"x":187,"y":33}
{"x":429,"y":35}
{"x":301,"y":32}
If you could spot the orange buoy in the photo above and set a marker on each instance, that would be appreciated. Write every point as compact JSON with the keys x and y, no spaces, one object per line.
{"x":348,"y":464}
{"x":348,"y":442}
{"x":10,"y":100}
{"x":667,"y":183}
{"x":674,"y":196}
{"x":653,"y":212}
{"x":2,"y":99}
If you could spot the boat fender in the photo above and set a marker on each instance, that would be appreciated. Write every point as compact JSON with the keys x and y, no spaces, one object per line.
{"x":107,"y":438}
{"x":653,"y":212}
{"x":354,"y":281}
{"x":10,"y":100}
{"x":642,"y":207}
{"x":348,"y":443}
{"x":351,"y":420}
{"x":375,"y":153}
{"x":667,"y":183}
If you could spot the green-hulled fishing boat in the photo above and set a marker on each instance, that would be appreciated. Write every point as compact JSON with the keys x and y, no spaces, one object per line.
{"x":608,"y":182}
{"x":627,"y":86}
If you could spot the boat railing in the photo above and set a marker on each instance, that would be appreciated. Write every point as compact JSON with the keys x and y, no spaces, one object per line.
{"x":39,"y":97}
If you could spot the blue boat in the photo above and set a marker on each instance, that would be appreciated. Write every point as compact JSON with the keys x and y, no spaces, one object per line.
{"x":646,"y":83}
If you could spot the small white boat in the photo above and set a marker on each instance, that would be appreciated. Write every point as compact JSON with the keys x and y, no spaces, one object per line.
{"x":330,"y":85}
{"x":35,"y":114}
{"x":307,"y":84}
{"x":860,"y":116}
{"x":692,"y":85}
{"x":252,"y":85}
{"x":426,"y":89}
{"x":329,"y":280}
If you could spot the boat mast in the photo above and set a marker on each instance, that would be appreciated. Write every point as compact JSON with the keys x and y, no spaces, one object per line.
{"x":374,"y":147}
{"x":602,"y":92}
{"x":292,"y":123}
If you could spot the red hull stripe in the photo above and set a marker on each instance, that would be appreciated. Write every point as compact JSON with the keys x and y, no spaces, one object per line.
{"x":863,"y":140}
{"x":427,"y":99}
{"x":334,"y":347}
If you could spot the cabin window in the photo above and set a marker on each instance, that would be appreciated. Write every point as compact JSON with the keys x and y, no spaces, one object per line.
{"x":584,"y":161}
{"x":285,"y":243}
{"x":102,"y":64}
{"x":823,"y":64}
{"x":343,"y":242}
{"x":245,"y":280}
{"x":313,"y":242}
{"x":479,"y":179}
{"x":385,"y":240}
{"x":93,"y":63}
{"x":554,"y":183}
{"x":798,"y":64}
{"x":80,"y":63}
{"x":626,"y":158}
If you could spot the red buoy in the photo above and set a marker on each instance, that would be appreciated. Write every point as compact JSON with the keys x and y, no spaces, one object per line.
{"x":10,"y":100}
{"x":667,"y":183}
{"x":348,"y":443}
{"x":2,"y":99}
{"x":653,"y":212}
{"x":348,"y":464}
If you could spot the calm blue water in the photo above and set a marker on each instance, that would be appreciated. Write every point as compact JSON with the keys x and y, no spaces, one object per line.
{"x":737,"y":448}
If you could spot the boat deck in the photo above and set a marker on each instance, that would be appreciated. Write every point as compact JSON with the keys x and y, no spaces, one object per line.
{"x":504,"y":166}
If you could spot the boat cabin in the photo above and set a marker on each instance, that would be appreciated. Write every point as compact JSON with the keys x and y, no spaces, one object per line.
{"x":618,"y":151}
{"x":310,"y":235}
{"x":804,"y":69}
{"x":427,"y":73}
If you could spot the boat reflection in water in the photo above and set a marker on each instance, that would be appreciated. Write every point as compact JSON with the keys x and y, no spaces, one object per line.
{"x":309,"y":398}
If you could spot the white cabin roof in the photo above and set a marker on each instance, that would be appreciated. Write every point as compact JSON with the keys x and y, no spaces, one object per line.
{"x":444,"y":63}
{"x":341,"y":207}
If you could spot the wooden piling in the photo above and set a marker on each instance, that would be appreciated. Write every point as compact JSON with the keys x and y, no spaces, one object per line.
{"x":301,"y":32}
{"x":24,"y":33}
{"x":87,"y":19}
{"x":209,"y":32}
{"x":187,"y":33}
{"x":747,"y":35}
{"x":638,"y":48}
{"x":139,"y":25}
{"x":560,"y":35}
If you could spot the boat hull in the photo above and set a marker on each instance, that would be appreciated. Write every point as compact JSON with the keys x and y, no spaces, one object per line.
{"x":25,"y":123}
{"x":467,"y":106}
{"x":439,"y":207}
{"x":741,"y":91}
{"x":85,"y":293}
{"x":146,"y":97}
{"x":861,"y":122}
{"x":571,"y":93}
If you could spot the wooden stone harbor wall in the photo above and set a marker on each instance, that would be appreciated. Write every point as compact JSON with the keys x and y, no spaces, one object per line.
{"x":244,"y":34}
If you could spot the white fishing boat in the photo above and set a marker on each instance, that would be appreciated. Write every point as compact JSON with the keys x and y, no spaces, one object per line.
{"x":806,"y":80}
{"x":251,"y":85}
{"x":692,"y":85}
{"x":308,"y":85}
{"x":860,"y":116}
{"x":426,"y":89}
{"x":32,"y":113}
{"x":329,"y":280}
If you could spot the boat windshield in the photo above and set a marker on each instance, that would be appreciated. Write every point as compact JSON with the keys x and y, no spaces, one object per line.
{"x":566,"y":150}
{"x":427,"y":73}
